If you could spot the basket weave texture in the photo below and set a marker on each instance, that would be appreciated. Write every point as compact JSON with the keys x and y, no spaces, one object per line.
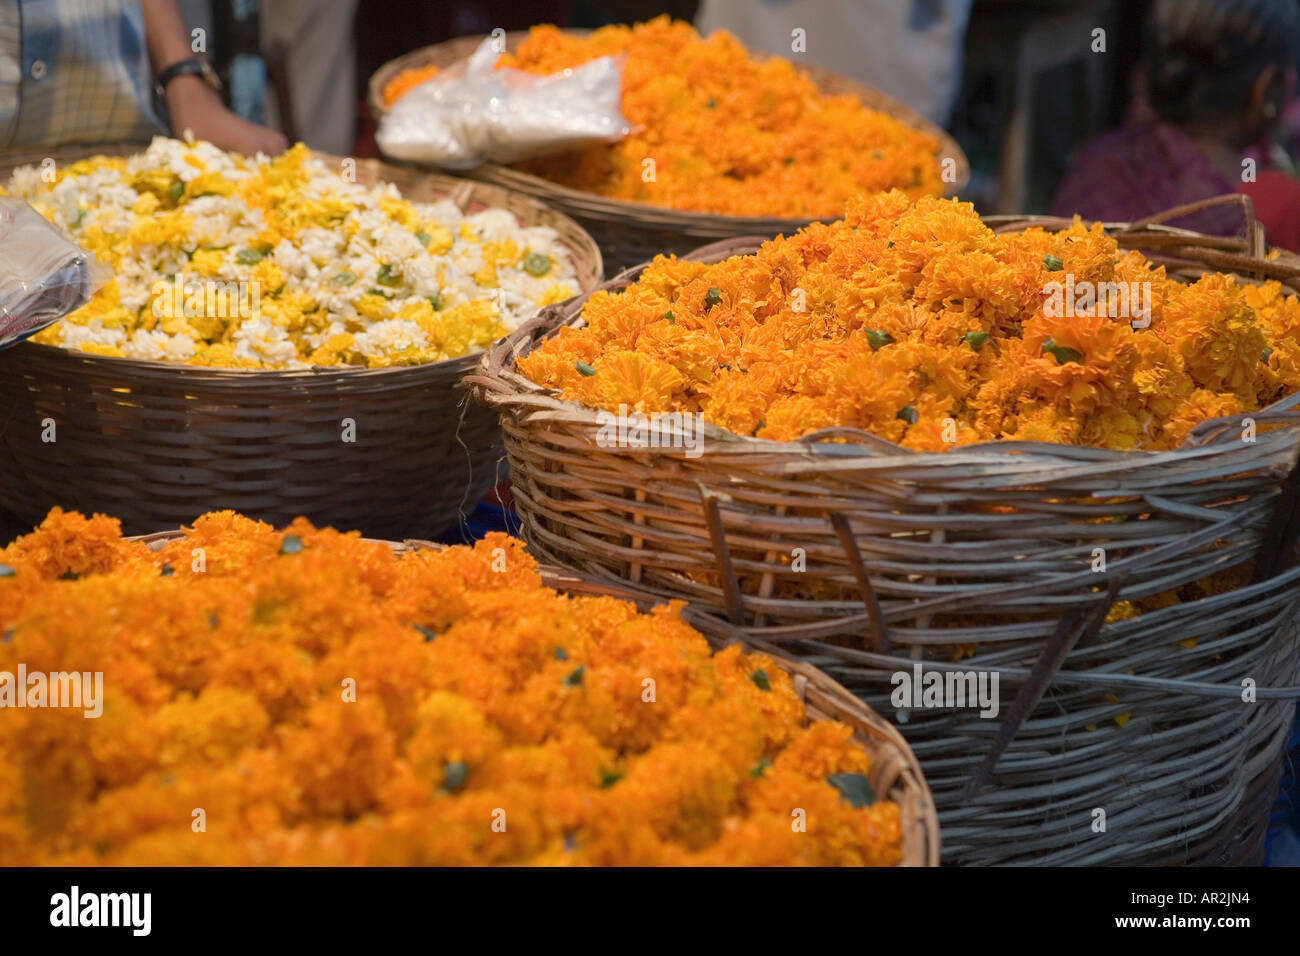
{"x":632,"y":232}
{"x":157,"y":443}
{"x":894,"y":772}
{"x":980,"y":560}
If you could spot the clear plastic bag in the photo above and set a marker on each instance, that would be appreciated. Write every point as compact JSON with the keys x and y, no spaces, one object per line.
{"x":476,"y":114}
{"x":43,"y":275}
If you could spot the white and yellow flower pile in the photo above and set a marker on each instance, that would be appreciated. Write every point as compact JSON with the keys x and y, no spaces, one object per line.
{"x":284,"y":263}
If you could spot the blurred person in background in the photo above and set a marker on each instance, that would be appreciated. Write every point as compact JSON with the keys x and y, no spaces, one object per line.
{"x":1215,"y":79}
{"x":286,"y":55}
{"x":908,"y":49}
{"x":85,"y":72}
{"x":322,"y":63}
{"x":590,"y":14}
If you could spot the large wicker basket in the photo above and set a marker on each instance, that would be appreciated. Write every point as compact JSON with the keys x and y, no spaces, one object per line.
{"x":894,"y":771}
{"x":985,"y":553}
{"x":633,"y":232}
{"x":156,"y":443}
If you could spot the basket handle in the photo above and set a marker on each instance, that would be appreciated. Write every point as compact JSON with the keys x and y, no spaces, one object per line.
{"x":1194,"y":247}
{"x":1016,"y":222}
{"x":724,"y":249}
{"x":487,"y":377}
{"x":1188,"y":209}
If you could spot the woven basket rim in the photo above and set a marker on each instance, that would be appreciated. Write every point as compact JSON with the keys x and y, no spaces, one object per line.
{"x":909,"y":788}
{"x":646,"y":213}
{"x":587,"y":278}
{"x":314,"y":373}
{"x":497,"y":383}
{"x":458,"y":48}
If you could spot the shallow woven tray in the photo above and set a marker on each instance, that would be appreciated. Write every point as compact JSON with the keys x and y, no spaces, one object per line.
{"x":896,"y":538}
{"x":633,"y":232}
{"x":158,"y":443}
{"x":894,"y":771}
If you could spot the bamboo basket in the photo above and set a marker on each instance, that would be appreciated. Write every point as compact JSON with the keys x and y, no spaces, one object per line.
{"x":156,"y":443}
{"x":910,"y":561}
{"x":633,"y":232}
{"x":894,"y":770}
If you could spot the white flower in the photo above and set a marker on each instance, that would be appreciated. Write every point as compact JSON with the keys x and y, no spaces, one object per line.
{"x":327,"y":263}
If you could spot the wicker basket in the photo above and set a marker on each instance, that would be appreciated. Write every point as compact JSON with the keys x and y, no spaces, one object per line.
{"x":156,"y":443}
{"x":894,"y":771}
{"x":898,"y":543}
{"x":632,"y":232}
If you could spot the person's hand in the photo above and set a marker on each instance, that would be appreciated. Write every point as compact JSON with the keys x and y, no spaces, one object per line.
{"x":195,"y":106}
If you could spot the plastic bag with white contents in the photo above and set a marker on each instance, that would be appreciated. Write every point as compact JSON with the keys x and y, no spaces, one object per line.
{"x":43,"y":275}
{"x":474,"y":114}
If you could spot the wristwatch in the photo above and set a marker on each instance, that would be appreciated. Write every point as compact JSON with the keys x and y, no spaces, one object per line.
{"x":192,"y":66}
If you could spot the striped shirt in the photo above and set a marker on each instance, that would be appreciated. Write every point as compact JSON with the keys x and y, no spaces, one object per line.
{"x":74,"y":71}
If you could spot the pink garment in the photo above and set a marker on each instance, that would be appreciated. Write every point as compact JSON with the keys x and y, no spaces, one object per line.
{"x":1141,"y":169}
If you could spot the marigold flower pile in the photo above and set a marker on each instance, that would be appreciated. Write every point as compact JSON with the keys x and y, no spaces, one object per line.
{"x":403,"y":82}
{"x":728,"y":133}
{"x":919,"y":324}
{"x":481,"y":698}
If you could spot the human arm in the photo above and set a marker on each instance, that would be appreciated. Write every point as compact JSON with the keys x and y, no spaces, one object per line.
{"x":191,"y":103}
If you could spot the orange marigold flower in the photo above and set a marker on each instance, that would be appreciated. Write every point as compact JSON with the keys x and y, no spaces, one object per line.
{"x":406,"y":81}
{"x":729,"y":132}
{"x":328,"y":702}
{"x":915,"y":321}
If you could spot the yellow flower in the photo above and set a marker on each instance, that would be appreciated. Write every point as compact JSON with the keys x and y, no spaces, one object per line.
{"x":914,"y":321}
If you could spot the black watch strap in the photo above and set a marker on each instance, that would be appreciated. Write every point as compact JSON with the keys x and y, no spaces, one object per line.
{"x":191,"y":66}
